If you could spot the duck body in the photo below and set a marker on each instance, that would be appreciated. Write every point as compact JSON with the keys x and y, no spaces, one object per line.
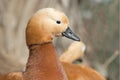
{"x":43,"y":64}
{"x":12,"y":76}
{"x":81,"y":72}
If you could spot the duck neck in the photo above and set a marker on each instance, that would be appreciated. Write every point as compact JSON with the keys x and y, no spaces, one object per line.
{"x":43,"y":63}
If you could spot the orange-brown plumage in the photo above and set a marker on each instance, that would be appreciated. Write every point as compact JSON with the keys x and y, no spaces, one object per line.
{"x":42,"y":27}
{"x":43,"y":64}
{"x":12,"y":76}
{"x":81,"y":72}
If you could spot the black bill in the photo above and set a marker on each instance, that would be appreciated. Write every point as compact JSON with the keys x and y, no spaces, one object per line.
{"x":69,"y":34}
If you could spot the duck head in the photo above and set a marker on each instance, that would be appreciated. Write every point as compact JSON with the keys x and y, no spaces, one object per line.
{"x":46,"y":24}
{"x":75,"y":51}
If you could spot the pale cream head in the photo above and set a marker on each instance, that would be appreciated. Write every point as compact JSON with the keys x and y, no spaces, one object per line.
{"x":75,"y":51}
{"x":44,"y":25}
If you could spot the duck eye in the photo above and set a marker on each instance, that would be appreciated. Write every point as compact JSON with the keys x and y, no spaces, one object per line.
{"x":58,"y":22}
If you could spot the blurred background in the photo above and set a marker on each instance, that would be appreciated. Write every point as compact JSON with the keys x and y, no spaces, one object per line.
{"x":95,"y":21}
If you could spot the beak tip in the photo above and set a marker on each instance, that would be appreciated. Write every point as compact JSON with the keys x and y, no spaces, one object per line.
{"x":77,"y":39}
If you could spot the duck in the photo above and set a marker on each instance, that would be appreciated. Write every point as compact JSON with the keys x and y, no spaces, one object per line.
{"x":42,"y":28}
{"x":43,"y":62}
{"x":75,"y":51}
{"x":78,"y":71}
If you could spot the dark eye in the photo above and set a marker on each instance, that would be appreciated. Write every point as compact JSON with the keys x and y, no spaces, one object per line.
{"x":58,"y":22}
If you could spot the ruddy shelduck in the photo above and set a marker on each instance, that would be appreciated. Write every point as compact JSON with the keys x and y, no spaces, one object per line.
{"x":77,"y":71}
{"x":43,"y":62}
